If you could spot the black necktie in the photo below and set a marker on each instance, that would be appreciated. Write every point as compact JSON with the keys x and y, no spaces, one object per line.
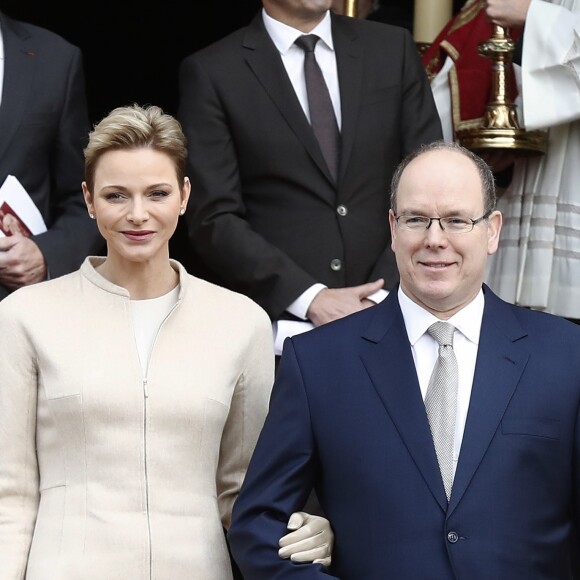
{"x":322,"y":116}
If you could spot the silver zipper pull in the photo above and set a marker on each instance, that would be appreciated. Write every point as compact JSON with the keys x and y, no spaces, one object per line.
{"x":145,"y":387}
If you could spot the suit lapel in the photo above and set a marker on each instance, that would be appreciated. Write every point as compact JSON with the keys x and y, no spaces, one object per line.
{"x":19,"y":68}
{"x":348,"y":51}
{"x":264,"y":60}
{"x":388,"y":359}
{"x":501,"y":359}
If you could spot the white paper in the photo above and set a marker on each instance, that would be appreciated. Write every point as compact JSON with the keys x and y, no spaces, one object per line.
{"x":17,"y":210}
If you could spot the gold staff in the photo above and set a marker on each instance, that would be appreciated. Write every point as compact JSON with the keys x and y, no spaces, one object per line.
{"x":351,"y":8}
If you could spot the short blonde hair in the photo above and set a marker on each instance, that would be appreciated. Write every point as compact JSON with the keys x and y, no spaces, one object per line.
{"x":132,"y":127}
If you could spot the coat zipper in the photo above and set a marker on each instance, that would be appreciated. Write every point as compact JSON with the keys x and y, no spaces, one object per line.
{"x":145,"y":409}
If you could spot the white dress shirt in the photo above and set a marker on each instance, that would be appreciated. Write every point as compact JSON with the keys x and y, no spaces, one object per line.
{"x":425,"y":349}
{"x":283,"y":37}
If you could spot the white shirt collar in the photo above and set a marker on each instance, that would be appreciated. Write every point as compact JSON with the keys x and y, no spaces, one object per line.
{"x":283,"y":36}
{"x":417,"y":319}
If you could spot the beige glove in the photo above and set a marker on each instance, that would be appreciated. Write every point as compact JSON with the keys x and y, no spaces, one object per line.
{"x":310,"y":542}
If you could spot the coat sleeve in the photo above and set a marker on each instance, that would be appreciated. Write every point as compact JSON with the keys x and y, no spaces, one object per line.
{"x":551,"y":64}
{"x":248,"y":410}
{"x":71,"y":234}
{"x":19,"y":480}
{"x":279,"y":480}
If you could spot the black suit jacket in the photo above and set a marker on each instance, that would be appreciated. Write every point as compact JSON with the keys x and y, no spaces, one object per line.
{"x":266,"y":218}
{"x":44,"y":125}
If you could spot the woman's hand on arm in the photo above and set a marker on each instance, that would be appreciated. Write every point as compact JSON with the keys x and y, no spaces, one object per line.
{"x":310,"y":541}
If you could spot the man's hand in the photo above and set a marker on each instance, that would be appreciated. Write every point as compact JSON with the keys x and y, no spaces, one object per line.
{"x":508,"y":13}
{"x":311,"y":542}
{"x":333,"y":303}
{"x":21,"y":262}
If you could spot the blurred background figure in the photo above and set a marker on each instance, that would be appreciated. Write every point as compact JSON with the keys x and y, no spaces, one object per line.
{"x":270,"y":216}
{"x":43,"y":127}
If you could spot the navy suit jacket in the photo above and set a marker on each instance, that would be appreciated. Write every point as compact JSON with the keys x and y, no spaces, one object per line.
{"x":348,"y":419}
{"x":44,"y":125}
{"x":265,"y":216}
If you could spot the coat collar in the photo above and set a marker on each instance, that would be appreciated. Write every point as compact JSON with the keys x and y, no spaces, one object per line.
{"x":88,"y":271}
{"x":501,"y":359}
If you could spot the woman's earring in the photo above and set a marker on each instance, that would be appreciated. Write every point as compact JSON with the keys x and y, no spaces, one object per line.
{"x":182,"y":211}
{"x":92,"y":215}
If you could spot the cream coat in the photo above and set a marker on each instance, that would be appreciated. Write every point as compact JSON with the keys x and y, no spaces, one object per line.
{"x":105,"y":475}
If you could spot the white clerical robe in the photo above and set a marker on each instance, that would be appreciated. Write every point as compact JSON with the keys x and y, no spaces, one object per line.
{"x":538,"y":260}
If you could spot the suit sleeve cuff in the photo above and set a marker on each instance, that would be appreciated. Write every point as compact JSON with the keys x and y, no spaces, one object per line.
{"x":378,"y":296}
{"x":300,"y":306}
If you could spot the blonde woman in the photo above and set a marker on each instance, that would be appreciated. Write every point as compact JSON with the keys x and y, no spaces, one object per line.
{"x":132,"y":393}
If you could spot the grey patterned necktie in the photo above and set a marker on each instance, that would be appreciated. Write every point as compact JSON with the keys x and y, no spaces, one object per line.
{"x":322,"y":117}
{"x":441,"y":400}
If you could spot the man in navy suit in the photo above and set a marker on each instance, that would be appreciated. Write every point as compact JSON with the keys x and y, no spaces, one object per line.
{"x":44,"y":124}
{"x":267,"y":216}
{"x":348,"y":417}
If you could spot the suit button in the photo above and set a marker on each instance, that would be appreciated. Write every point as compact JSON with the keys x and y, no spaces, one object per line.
{"x":342,"y":210}
{"x":336,"y":265}
{"x":452,"y":537}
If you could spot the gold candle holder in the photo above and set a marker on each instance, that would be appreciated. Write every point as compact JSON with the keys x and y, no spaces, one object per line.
{"x":500,"y":128}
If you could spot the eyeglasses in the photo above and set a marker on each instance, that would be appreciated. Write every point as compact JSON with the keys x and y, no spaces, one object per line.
{"x":450,"y":225}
